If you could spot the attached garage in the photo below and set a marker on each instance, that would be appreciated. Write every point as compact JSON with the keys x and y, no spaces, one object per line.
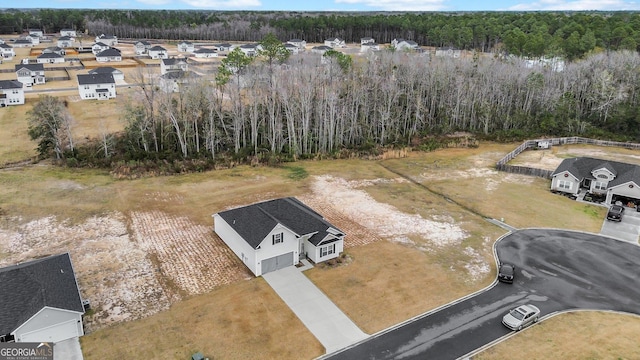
{"x":54,"y":333}
{"x":277,"y":262}
{"x":40,"y":301}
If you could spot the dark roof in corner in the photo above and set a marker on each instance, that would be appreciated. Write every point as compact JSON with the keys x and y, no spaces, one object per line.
{"x":581,"y":168}
{"x":254,"y":222}
{"x":31,"y":67}
{"x":30,"y":286}
{"x":88,"y":79}
{"x":109,"y":52}
{"x":104,"y":70}
{"x":10,"y":84}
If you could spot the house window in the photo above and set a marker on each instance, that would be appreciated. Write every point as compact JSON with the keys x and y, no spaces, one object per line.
{"x":602,"y":176}
{"x":599,"y":185}
{"x":277,"y":238}
{"x":563,"y":184}
{"x":327,"y":250}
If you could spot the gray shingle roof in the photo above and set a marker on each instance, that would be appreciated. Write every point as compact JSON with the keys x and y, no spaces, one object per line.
{"x":581,"y":168}
{"x":90,"y":79}
{"x":30,"y":286}
{"x":31,"y":67}
{"x":205,"y":51}
{"x":104,"y":70}
{"x":50,"y":56}
{"x":10,"y":84}
{"x":254,"y":222}
{"x":157,"y":48}
{"x":109,"y":53}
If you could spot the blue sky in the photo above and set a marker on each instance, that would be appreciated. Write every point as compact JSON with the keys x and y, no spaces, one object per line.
{"x":341,"y":5}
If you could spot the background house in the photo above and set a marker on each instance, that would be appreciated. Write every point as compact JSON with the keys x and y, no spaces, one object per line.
{"x":291,"y":48}
{"x":68,"y":32}
{"x":35,"y":32}
{"x":65,"y":41}
{"x":205,"y":53}
{"x":615,"y":180}
{"x":402,"y":44}
{"x":367,"y":40}
{"x":300,"y":44}
{"x":173,"y":64}
{"x":335,"y":43}
{"x":99,"y":47}
{"x":20,"y":43}
{"x":251,"y":49}
{"x":274,"y":234}
{"x":142,"y":47}
{"x":448,"y":51}
{"x":11,"y":93}
{"x":96,"y":86}
{"x":49,"y":58}
{"x":30,"y":74}
{"x":321,"y":49}
{"x":7,"y":52}
{"x":117,"y":73}
{"x":109,"y":55}
{"x":158,"y":52}
{"x":172,"y":81}
{"x":40,"y":301}
{"x":110,"y":40}
{"x":186,"y":46}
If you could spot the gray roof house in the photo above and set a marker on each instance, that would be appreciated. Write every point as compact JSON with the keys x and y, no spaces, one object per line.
{"x":618,"y":181}
{"x":49,"y":58}
{"x":117,"y":73}
{"x":205,"y":53}
{"x":173,"y":64}
{"x":96,"y":86}
{"x":110,"y":54}
{"x":11,"y":93}
{"x":158,"y":52}
{"x":40,"y":301}
{"x":274,"y":234}
{"x":30,"y":74}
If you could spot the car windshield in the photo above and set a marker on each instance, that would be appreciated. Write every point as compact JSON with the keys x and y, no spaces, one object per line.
{"x":517,"y":314}
{"x":506,"y":270}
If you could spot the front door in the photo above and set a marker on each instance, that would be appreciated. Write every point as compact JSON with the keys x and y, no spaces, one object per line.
{"x":301,"y":254}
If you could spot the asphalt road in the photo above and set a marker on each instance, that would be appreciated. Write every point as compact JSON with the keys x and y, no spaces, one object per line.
{"x":556,"y":270}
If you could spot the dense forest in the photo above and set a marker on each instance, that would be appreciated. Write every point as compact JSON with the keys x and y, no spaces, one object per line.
{"x":567,"y":34}
{"x":275,"y":107}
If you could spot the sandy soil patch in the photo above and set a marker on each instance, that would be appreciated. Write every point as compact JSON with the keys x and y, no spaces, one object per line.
{"x":113,"y":272}
{"x":385,"y":220}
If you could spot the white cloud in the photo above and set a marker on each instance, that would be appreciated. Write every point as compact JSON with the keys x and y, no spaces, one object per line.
{"x":577,"y":5}
{"x":400,"y":5}
{"x":223,"y":4}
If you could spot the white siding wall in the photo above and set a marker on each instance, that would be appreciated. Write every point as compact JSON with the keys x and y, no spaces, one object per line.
{"x":313,"y":252}
{"x":233,"y":240}
{"x":88,"y":92}
{"x":51,"y":318}
{"x":575,"y":185}
{"x":14,"y":96}
{"x":268,"y":250}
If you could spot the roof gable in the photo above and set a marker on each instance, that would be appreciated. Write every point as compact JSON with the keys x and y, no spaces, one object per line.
{"x":30,"y":67}
{"x":255,"y":222}
{"x":10,"y":84}
{"x":30,"y":286}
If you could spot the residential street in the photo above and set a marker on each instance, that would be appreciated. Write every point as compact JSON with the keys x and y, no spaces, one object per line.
{"x":557,"y":270}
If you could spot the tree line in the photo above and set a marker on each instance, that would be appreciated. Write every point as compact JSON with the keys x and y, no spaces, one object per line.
{"x":567,"y":34}
{"x":277,"y":107}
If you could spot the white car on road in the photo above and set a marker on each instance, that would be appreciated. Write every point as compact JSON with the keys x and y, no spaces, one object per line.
{"x":521,"y":317}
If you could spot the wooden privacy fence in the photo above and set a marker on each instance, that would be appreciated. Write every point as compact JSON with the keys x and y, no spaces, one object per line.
{"x":501,"y":165}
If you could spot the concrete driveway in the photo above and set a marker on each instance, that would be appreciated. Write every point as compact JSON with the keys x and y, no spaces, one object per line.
{"x":67,"y":350}
{"x":627,"y":230}
{"x":316,"y":311}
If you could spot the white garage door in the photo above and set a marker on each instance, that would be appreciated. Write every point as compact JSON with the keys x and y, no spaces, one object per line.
{"x":55,"y":333}
{"x":277,"y":262}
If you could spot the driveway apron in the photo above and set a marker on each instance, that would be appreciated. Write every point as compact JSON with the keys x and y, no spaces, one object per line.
{"x":316,"y":311}
{"x":627,"y":230}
